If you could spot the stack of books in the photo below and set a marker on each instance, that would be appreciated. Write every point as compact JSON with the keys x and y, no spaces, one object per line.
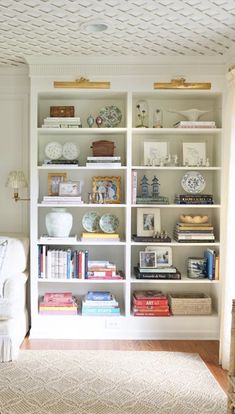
{"x":102,"y":270}
{"x":203,"y":232}
{"x":195,"y":124}
{"x":107,"y":162}
{"x":62,"y":122}
{"x":55,"y":200}
{"x":58,"y":304}
{"x":170,"y":272}
{"x":194,"y":199}
{"x":100,"y":237}
{"x":150,"y":303}
{"x":99,"y":303}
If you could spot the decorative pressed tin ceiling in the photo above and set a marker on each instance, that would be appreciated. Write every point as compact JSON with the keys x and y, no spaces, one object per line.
{"x":135,"y":27}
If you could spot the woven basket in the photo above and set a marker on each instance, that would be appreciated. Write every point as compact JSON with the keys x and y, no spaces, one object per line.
{"x":190,"y":304}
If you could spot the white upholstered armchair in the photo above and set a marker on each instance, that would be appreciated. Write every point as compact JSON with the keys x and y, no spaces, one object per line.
{"x":13,"y":311}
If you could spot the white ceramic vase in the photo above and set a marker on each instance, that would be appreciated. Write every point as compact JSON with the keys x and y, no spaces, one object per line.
{"x":59,"y":222}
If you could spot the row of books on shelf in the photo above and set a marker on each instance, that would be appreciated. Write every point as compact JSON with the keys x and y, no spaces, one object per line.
{"x":104,"y":303}
{"x":203,"y":232}
{"x":62,"y":122}
{"x":74,"y":264}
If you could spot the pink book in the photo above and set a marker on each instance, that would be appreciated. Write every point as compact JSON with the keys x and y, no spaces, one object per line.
{"x":63,"y":297}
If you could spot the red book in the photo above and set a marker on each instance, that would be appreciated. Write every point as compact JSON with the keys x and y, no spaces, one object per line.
{"x":150,"y":308}
{"x":149,"y":294}
{"x":63,"y":297}
{"x":150,"y":302}
{"x":153,"y":313}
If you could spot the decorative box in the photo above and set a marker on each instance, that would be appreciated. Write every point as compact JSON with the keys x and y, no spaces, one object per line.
{"x":102,"y":148}
{"x":62,"y":111}
{"x":190,"y":304}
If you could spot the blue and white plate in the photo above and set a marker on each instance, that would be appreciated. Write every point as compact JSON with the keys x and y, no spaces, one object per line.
{"x":90,"y":222}
{"x":193,"y":182}
{"x":111,"y":116}
{"x":109,"y":223}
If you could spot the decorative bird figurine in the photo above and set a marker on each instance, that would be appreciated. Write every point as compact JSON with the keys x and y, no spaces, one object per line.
{"x":190,"y":114}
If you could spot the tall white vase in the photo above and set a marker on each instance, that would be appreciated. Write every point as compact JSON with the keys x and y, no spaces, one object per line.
{"x":59,"y":222}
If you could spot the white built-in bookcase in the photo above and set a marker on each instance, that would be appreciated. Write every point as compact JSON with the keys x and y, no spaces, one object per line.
{"x":129,"y":145}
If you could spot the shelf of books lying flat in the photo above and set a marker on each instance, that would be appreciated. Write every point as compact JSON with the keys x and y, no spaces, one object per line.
{"x":126,"y":214}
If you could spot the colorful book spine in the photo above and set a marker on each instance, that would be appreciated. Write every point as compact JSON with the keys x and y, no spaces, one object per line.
{"x":99,"y":295}
{"x":150,"y":302}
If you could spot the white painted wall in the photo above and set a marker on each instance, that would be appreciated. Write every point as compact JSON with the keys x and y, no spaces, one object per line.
{"x":14,"y":146}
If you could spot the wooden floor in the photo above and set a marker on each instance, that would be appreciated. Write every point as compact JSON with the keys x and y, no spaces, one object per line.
{"x":208,"y":350}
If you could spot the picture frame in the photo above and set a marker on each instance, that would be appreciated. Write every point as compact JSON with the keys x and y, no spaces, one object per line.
{"x":148,"y":221}
{"x":194,"y":153}
{"x":53,"y":181}
{"x":155,"y":152}
{"x":70,"y":188}
{"x":107,"y":188}
{"x":147,"y":259}
{"x":163,"y":255}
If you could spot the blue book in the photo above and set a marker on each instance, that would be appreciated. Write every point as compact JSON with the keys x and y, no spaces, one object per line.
{"x":86,"y":264}
{"x":210,"y":254}
{"x":68,"y":263}
{"x":100,"y":310}
{"x":98,"y":295}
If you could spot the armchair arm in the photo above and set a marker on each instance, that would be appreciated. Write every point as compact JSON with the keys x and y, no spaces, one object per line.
{"x":14,"y":296}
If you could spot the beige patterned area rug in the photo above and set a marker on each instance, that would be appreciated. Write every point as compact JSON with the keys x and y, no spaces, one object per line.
{"x":109,"y":382}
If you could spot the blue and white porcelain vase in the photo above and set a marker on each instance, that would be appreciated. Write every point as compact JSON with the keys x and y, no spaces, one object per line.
{"x":90,"y":121}
{"x":59,"y":222}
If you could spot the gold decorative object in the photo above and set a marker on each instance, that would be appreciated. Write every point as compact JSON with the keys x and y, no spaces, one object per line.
{"x":82,"y":83}
{"x":180,"y":83}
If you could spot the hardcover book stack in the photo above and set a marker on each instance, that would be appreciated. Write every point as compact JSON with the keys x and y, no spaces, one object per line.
{"x":58,"y":304}
{"x":104,"y":161}
{"x":195,"y":124}
{"x":61,"y":162}
{"x":62,"y":122}
{"x":102,"y":270}
{"x":100,"y":237}
{"x":99,"y":303}
{"x":164,"y":273}
{"x":193,"y":232}
{"x":194,"y":199}
{"x":150,"y":303}
{"x":67,"y":200}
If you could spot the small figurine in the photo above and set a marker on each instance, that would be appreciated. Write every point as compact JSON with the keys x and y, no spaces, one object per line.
{"x":90,"y":121}
{"x":157,"y":119}
{"x":142,"y":114}
{"x":144,"y":187}
{"x":207,"y":162}
{"x":90,"y":198}
{"x":98,"y":121}
{"x":155,"y":187}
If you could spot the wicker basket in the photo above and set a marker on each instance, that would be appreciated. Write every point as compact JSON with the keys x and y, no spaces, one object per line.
{"x":103,"y":148}
{"x":190,"y":304}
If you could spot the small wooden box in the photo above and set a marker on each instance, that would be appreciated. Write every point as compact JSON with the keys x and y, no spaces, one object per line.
{"x":102,"y":148}
{"x":62,"y":111}
{"x":190,"y":304}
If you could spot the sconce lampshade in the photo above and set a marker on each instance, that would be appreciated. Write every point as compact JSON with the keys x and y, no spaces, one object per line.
{"x":16,"y":180}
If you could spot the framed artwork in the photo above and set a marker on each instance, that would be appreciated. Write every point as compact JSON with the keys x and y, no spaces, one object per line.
{"x":107,"y":188}
{"x":54,"y":180}
{"x":163,"y":255}
{"x":194,"y":153}
{"x":148,"y":259}
{"x":155,"y":152}
{"x":148,"y":221}
{"x":69,"y":188}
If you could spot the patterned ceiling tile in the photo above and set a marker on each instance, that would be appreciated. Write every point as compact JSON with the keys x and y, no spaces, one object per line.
{"x":136,"y":27}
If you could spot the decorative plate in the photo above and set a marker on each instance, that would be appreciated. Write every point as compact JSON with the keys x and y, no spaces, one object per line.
{"x":193,"y":182}
{"x":111,"y":116}
{"x":90,"y":222}
{"x":71,"y":151}
{"x":53,"y":150}
{"x":109,"y":223}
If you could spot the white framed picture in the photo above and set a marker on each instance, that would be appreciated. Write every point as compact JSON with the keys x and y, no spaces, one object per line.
{"x":148,"y":221}
{"x":70,"y":188}
{"x":155,"y":152}
{"x":194,"y":153}
{"x":147,"y":259}
{"x":163,"y":255}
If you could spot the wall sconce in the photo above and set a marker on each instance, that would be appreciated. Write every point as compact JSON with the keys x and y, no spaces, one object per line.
{"x":17,"y":180}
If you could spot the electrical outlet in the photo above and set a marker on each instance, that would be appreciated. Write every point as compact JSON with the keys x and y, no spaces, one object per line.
{"x":112,"y":323}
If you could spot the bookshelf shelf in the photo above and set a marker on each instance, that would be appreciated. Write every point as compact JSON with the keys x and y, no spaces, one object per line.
{"x":129,"y":145}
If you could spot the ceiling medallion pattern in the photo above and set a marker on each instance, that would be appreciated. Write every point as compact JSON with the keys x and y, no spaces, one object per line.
{"x":135,"y":27}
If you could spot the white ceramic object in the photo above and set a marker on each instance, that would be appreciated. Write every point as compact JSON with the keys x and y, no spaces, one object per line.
{"x":71,"y":151}
{"x":53,"y":150}
{"x":190,"y":114}
{"x":59,"y":222}
{"x":193,"y":182}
